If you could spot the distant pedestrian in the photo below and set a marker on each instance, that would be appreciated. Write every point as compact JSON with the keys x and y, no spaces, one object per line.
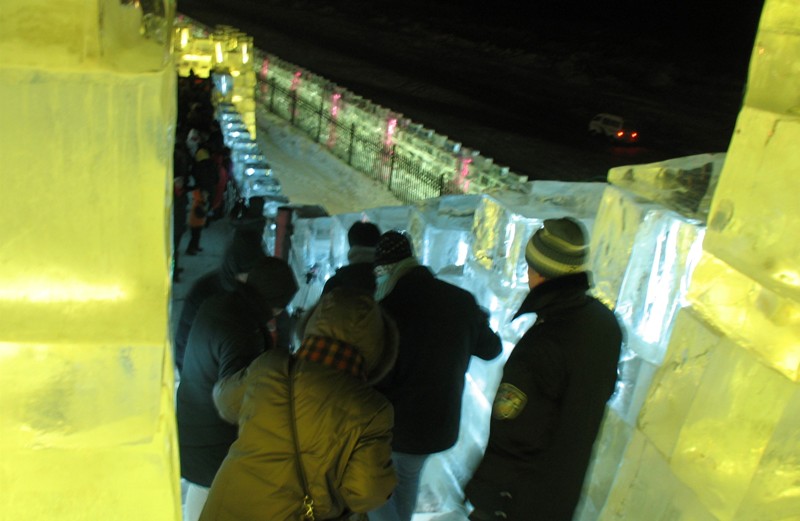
{"x":229,"y":331}
{"x":554,"y":389}
{"x":243,"y":253}
{"x":314,"y":436}
{"x":181,"y":167}
{"x":441,"y":327}
{"x":358,"y":273}
{"x":200,"y":199}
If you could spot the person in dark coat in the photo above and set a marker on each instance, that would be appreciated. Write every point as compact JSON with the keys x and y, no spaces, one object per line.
{"x":229,"y":332}
{"x":554,"y":389}
{"x":244,"y":252}
{"x":441,"y":326}
{"x":362,"y":238}
{"x":181,"y":167}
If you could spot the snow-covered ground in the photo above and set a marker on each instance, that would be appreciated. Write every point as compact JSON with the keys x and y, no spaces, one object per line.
{"x":309,"y":174}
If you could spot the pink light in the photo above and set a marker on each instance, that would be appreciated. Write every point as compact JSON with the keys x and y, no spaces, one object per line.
{"x":335,"y":100}
{"x":391,"y":125}
{"x":264,"y":68}
{"x":296,"y":80}
{"x":465,"y":167}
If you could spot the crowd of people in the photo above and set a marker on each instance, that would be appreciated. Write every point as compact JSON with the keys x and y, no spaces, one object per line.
{"x":201,"y":167}
{"x":332,"y":412}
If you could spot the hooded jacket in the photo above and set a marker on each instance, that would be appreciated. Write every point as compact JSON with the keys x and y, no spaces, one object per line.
{"x":240,"y":257}
{"x":549,"y":405}
{"x":228,"y":333}
{"x":342,"y":425}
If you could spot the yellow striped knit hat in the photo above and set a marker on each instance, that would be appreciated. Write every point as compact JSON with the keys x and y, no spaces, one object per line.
{"x":558,"y":248}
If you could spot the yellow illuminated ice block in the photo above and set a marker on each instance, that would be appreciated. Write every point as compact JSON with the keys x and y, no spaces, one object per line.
{"x":755,"y":216}
{"x":760,"y":318}
{"x":646,"y":488}
{"x":733,"y":417}
{"x":87,"y":97}
{"x":674,"y":386}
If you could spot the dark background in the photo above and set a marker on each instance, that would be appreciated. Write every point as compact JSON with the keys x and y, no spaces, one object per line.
{"x":519,"y":81}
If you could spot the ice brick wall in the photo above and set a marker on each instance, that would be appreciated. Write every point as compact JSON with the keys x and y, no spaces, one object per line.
{"x":717,"y":436}
{"x":87,"y":97}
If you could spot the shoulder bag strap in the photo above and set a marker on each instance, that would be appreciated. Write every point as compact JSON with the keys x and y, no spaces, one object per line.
{"x":307,"y":512}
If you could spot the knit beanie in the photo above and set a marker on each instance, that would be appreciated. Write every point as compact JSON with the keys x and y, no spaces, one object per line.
{"x":363,"y":234}
{"x":558,"y":248}
{"x":392,"y":247}
{"x":274,"y":280}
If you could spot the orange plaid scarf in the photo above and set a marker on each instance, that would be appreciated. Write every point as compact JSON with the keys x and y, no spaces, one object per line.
{"x":333,"y":353}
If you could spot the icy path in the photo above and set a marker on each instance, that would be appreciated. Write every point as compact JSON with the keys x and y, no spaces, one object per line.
{"x":310,"y":175}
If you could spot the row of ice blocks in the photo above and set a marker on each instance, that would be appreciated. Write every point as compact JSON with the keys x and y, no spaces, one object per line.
{"x":717,"y":439}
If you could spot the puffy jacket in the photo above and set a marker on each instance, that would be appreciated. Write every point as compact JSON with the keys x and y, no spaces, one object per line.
{"x":343,"y":429}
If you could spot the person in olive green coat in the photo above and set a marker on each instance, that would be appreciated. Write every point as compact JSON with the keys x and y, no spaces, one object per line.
{"x":321,"y":401}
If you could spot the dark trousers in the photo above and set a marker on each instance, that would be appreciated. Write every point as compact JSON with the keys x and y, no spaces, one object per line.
{"x":194,"y":240}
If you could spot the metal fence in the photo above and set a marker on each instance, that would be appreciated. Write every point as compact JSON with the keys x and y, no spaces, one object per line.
{"x":401,"y":171}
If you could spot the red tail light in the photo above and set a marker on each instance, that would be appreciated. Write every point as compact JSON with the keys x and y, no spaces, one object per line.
{"x":620,"y":133}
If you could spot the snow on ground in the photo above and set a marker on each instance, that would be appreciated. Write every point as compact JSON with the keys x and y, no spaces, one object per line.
{"x":309,"y":174}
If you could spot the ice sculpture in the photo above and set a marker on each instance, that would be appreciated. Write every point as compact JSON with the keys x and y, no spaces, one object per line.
{"x":87,"y":94}
{"x":717,"y":437}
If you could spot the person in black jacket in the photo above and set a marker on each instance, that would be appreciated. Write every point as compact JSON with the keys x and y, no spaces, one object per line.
{"x":229,"y":332}
{"x":244,"y":252}
{"x":441,"y":326}
{"x":555,"y":385}
{"x":362,"y":238}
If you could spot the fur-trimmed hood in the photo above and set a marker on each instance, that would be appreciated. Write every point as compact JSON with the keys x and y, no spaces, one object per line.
{"x":354,"y":317}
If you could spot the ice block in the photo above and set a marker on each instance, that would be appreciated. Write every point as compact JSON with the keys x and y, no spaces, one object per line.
{"x":612,"y":240}
{"x":87,"y":93}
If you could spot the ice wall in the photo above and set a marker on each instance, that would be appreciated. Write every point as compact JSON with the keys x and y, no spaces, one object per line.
{"x":717,"y":436}
{"x":87,"y":97}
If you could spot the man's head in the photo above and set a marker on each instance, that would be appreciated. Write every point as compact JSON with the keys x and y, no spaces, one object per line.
{"x":558,"y":248}
{"x":392,"y":247}
{"x":243,"y":253}
{"x":363,"y":234}
{"x":274,"y":281}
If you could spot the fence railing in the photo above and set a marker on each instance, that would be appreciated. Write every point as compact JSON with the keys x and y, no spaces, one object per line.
{"x":415,"y":163}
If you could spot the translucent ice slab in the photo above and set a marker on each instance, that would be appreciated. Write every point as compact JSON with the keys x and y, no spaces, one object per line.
{"x":684,"y":184}
{"x":612,"y":240}
{"x":441,"y":229}
{"x":665,"y":250}
{"x":646,"y":488}
{"x":735,"y":412}
{"x":674,"y":387}
{"x":755,"y":216}
{"x":504,"y":222}
{"x":758,"y":317}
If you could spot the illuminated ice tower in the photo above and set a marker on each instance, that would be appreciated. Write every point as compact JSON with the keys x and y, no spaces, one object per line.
{"x":87,"y":97}
{"x":718,"y":437}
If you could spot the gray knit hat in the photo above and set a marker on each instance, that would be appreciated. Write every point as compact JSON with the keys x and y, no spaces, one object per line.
{"x":558,"y":248}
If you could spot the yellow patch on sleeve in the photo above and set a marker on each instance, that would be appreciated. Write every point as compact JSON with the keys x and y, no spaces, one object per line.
{"x":508,"y":403}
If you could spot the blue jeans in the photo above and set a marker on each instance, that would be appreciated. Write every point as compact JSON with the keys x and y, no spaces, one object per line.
{"x":400,"y":506}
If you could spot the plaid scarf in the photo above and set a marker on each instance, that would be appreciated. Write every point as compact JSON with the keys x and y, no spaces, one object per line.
{"x":333,"y":353}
